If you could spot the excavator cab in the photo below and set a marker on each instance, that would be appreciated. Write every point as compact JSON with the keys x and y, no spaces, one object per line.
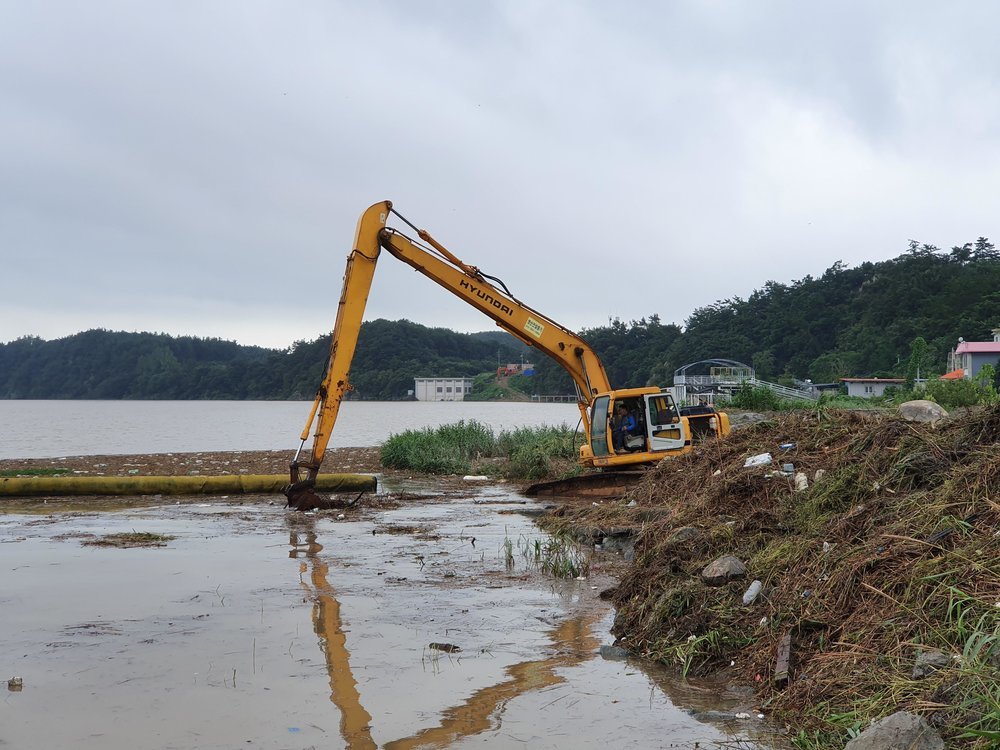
{"x":661,"y":427}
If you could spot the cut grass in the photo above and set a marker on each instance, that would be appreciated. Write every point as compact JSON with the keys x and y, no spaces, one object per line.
{"x":128,"y":539}
{"x":894,"y":551}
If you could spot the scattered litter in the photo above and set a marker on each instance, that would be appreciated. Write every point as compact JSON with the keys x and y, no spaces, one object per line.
{"x":15,"y":684}
{"x":801,"y":482}
{"x":475,"y":478}
{"x":341,"y":516}
{"x":762,"y":459}
{"x":752,"y":593}
{"x":787,"y":446}
{"x":742,"y":715}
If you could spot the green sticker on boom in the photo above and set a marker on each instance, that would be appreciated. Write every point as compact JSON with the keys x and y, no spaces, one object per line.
{"x":534,"y":328}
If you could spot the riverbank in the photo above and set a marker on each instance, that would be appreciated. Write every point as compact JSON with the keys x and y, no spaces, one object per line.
{"x":845,"y":565}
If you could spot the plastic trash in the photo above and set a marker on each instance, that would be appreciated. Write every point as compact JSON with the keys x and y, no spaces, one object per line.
{"x":752,"y":593}
{"x":762,"y":459}
{"x":787,"y":446}
{"x":801,"y":482}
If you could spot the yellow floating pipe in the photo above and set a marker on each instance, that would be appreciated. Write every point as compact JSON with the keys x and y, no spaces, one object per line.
{"x":186,"y":485}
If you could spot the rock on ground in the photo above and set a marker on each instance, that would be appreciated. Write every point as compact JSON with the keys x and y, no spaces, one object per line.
{"x":899,"y":731}
{"x":922,"y":411}
{"x":723,"y":570}
{"x":929,"y":662}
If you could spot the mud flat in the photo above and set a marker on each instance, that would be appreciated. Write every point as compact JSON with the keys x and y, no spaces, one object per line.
{"x":419,"y":618}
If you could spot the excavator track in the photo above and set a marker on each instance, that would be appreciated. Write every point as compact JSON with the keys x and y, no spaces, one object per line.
{"x":606,"y":485}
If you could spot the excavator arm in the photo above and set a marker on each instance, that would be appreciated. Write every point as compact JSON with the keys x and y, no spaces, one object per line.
{"x":464,"y":281}
{"x":469,"y":284}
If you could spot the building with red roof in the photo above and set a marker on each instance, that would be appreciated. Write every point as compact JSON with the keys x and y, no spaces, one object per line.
{"x":970,"y":356}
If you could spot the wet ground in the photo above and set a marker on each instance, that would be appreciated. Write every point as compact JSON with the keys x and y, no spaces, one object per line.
{"x":424,"y":623}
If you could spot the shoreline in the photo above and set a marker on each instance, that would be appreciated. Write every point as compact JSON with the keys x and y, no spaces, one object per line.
{"x":362,"y":460}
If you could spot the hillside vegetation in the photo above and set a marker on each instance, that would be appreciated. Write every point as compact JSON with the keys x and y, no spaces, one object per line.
{"x":102,"y":364}
{"x":849,"y":321}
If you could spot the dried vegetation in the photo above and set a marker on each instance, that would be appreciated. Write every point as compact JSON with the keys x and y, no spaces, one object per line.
{"x":893,"y":551}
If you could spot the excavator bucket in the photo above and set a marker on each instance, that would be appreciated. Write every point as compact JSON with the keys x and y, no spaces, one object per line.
{"x":303,"y":498}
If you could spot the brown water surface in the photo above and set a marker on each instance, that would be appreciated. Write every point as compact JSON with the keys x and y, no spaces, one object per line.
{"x":259,"y":628}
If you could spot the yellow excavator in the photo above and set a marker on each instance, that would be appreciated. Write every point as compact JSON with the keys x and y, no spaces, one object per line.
{"x":623,"y":429}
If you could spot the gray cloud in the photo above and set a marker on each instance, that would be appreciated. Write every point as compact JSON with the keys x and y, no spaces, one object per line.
{"x":199,"y":168}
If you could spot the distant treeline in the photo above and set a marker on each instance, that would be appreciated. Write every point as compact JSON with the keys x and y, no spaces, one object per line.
{"x":102,"y":364}
{"x":849,"y":321}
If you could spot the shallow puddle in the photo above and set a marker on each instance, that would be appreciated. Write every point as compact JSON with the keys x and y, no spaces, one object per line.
{"x":255,"y":627}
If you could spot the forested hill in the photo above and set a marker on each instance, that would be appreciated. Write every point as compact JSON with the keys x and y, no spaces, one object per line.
{"x":849,"y":321}
{"x":855,"y":321}
{"x":102,"y":364}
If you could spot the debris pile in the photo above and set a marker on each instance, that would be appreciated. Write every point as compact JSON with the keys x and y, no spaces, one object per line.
{"x":823,"y":576}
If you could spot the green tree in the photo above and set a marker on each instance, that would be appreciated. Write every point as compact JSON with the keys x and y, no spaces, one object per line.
{"x":918,"y":361}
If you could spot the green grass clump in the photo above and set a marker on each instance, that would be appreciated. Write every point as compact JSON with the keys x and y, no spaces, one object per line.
{"x":559,"y":555}
{"x":531,"y":450}
{"x":448,"y":449}
{"x":464,"y":447}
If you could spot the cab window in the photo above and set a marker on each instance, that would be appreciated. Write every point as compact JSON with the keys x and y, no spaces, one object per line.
{"x":599,"y":425}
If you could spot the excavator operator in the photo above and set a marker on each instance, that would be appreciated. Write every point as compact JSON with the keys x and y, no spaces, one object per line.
{"x":623,"y":426}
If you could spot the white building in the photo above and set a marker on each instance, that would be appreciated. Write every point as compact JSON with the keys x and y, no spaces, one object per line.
{"x":441,"y":389}
{"x":870,"y":387}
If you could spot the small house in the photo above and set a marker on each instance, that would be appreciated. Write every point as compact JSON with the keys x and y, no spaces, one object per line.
{"x":869,"y":387}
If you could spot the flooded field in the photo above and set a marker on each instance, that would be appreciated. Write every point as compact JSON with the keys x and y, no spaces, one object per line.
{"x":414,"y":625}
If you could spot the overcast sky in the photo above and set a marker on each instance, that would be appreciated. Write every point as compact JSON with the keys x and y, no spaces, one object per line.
{"x":198,"y":167}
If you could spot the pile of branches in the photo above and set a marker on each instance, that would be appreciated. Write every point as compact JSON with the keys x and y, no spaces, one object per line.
{"x":891,"y":550}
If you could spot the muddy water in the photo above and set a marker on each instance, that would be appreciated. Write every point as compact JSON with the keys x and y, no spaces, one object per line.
{"x":262,"y":629}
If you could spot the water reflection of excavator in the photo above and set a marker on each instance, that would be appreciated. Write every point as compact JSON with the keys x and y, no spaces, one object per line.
{"x":661,"y":429}
{"x":573,"y":642}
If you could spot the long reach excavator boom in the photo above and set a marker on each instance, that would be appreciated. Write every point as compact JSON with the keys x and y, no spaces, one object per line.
{"x":659,"y":429}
